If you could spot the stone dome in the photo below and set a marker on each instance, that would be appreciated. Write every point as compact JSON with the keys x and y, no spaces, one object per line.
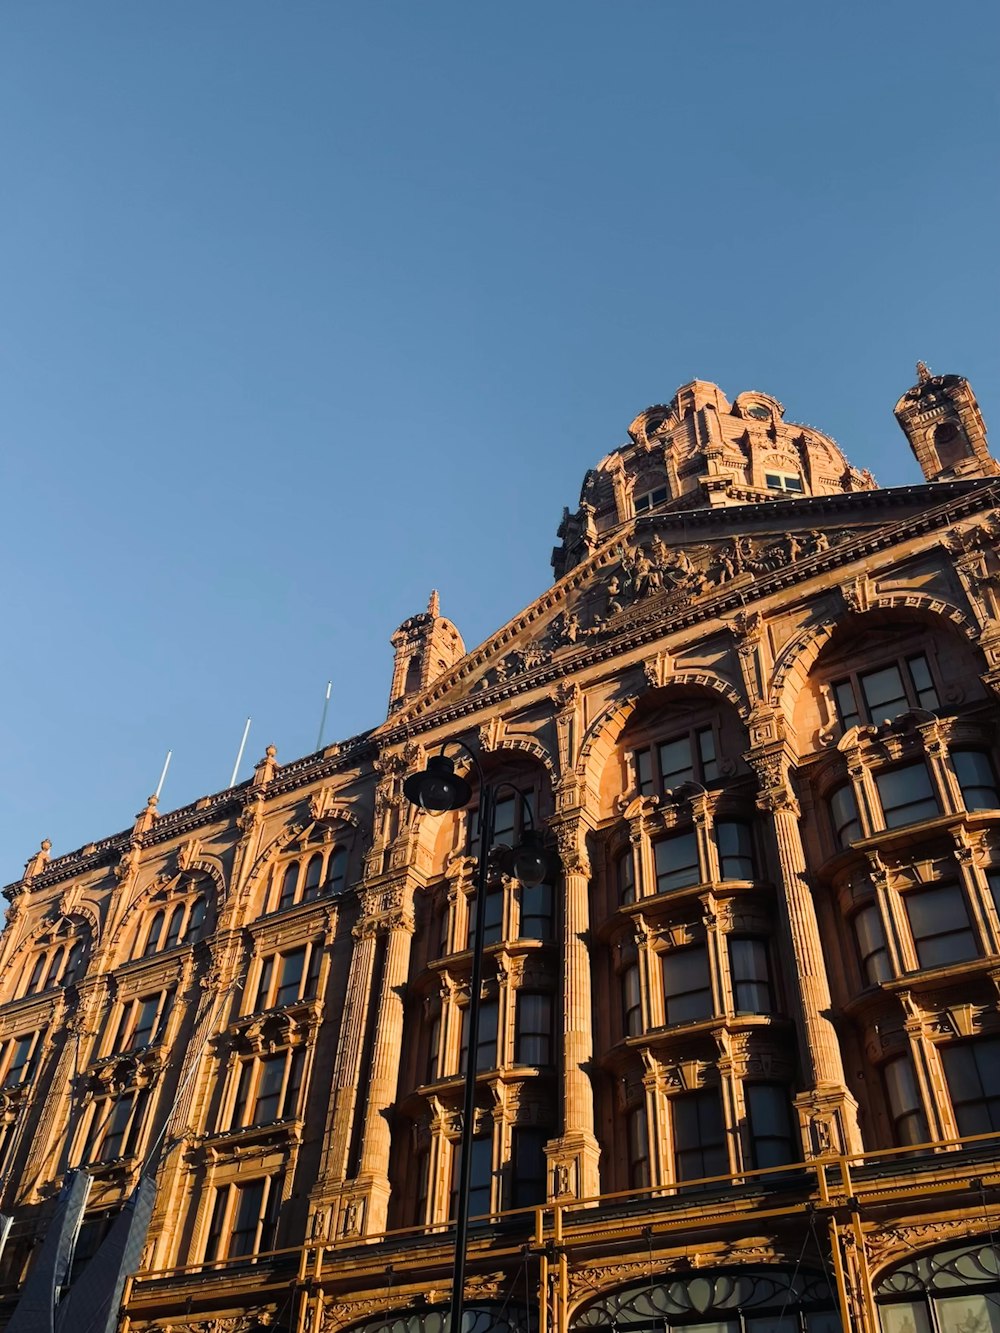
{"x":701,"y":451}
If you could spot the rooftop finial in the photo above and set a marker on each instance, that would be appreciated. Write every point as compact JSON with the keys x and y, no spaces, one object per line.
{"x":434,"y":605}
{"x":923,"y":374}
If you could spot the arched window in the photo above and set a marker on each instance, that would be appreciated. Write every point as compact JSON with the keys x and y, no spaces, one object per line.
{"x":314,"y":869}
{"x":196,"y":920}
{"x":173,"y":934}
{"x":289,"y":883}
{"x":55,"y":967}
{"x":37,"y":972}
{"x":153,"y":938}
{"x":73,"y":961}
{"x":336,"y":870}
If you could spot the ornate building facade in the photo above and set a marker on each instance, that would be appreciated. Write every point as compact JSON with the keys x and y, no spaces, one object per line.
{"x":738,"y":1069}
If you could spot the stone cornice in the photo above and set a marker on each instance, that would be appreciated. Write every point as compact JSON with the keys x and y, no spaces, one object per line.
{"x":651,"y":620}
{"x":641,"y":624}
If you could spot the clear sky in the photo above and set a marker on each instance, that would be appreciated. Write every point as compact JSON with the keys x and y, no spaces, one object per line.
{"x":307,"y":308}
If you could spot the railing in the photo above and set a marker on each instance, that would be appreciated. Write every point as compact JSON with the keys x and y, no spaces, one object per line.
{"x":832,"y":1183}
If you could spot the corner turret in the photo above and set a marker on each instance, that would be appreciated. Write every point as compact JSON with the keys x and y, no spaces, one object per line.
{"x":426,"y":645}
{"x":942,"y":421}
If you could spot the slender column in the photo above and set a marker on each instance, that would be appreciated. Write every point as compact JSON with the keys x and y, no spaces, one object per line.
{"x":373,"y":1166}
{"x":574,"y":1156}
{"x":827,"y":1110}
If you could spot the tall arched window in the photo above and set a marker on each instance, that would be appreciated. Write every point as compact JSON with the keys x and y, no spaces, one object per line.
{"x":153,"y":937}
{"x":313,"y":871}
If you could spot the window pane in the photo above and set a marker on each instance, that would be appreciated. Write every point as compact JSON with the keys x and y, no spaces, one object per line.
{"x":289,"y":883}
{"x":907,"y":1113}
{"x":844,"y":810}
{"x":215,"y":1227}
{"x":536,"y":911}
{"x":626,"y":878}
{"x":677,"y":862}
{"x":872,"y":946}
{"x":638,"y":1148}
{"x":977,"y":780}
{"x":336,"y":871}
{"x":529,"y":1166}
{"x":847,"y":705}
{"x":644,"y":770}
{"x":686,"y":986}
{"x":291,"y":968}
{"x":771,"y":1132}
{"x":940,"y":925}
{"x":676,"y":765}
{"x":735,"y":851}
{"x":272,"y":1074}
{"x":534,"y":1029}
{"x":481,"y":1174}
{"x":174,"y":928}
{"x":972,"y":1071}
{"x":751,"y":975}
{"x":632,"y":995}
{"x":314,"y":870}
{"x":153,"y":938}
{"x":884,"y":693}
{"x":699,"y":1136}
{"x":249,"y":1210}
{"x":707,"y":755}
{"x":145,"y":1022}
{"x":923,"y":682}
{"x":906,"y":795}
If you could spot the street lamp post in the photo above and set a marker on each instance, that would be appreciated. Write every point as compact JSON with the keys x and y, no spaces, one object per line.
{"x":438,"y":789}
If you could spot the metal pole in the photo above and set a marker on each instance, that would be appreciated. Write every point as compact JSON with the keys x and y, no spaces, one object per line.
{"x":236,"y":766}
{"x":469,"y":1111}
{"x":166,"y":765}
{"x":322,"y":721}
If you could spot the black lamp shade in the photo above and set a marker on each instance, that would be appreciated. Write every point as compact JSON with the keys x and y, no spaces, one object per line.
{"x":438,"y":787}
{"x":530,"y":861}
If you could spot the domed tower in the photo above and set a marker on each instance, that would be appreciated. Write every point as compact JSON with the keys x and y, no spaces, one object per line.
{"x":941,"y":419}
{"x":426,"y":645}
{"x":701,"y":451}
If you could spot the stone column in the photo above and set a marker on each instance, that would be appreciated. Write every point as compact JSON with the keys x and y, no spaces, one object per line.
{"x":574,"y":1156}
{"x":372,"y":1184}
{"x":827,"y":1111}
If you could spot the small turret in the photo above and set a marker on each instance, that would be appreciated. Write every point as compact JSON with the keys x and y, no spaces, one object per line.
{"x":942,"y":421}
{"x":426,"y":645}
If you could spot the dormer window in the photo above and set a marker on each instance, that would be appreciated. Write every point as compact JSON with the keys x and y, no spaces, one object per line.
{"x":759,"y":411}
{"x":783,"y":481}
{"x":650,"y":499}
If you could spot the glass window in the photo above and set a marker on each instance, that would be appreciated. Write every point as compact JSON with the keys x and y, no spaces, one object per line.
{"x":648,"y":499}
{"x":735,"y":850}
{"x":972,"y":1071}
{"x":847,"y":704}
{"x":687,"y":987}
{"x":626,"y":878}
{"x":213,"y":1240}
{"x":174,"y":928}
{"x":434,"y":1049}
{"x":289,"y":884}
{"x":706,"y":752}
{"x":534,"y":1029}
{"x":751,"y":973}
{"x":993,"y":880}
{"x":940,"y":925}
{"x":145,"y":1022}
{"x":644,"y":770}
{"x":783,"y":481}
{"x":529,"y":1167}
{"x":638,"y":1148}
{"x":872,"y":949}
{"x":677,"y":863}
{"x":153,"y":938}
{"x":290,"y":969}
{"x":908,"y":1119}
{"x":906,"y":795}
{"x":481,"y":1178}
{"x":772,"y":1140}
{"x":247,"y":1218}
{"x":493,"y":929}
{"x":314,"y":871}
{"x":37,"y":972}
{"x":73,"y":960}
{"x":844,"y":813}
{"x":271,"y":1077}
{"x":676,"y":763}
{"x":699,"y":1135}
{"x":632,"y":1000}
{"x":922,"y":681}
{"x":977,"y":779}
{"x":884,"y":692}
{"x":21,"y":1064}
{"x":336,"y":870}
{"x":537,"y":911}
{"x":264,"y":985}
{"x":486,"y":1046}
{"x":196,"y":920}
{"x":55,"y":964}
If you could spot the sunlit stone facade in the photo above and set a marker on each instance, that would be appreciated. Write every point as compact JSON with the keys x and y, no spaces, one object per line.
{"x":723,"y":1062}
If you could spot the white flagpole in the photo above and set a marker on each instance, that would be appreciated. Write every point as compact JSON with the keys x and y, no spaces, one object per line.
{"x":236,"y":766}
{"x":166,"y":765}
{"x":322,"y":721}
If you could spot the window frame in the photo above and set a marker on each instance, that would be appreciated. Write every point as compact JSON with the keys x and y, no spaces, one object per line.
{"x":703,"y":766}
{"x":891,"y":813}
{"x":271,"y":979}
{"x":914,"y":695}
{"x":248,"y":1089}
{"x":686,"y":955}
{"x":926,"y":891}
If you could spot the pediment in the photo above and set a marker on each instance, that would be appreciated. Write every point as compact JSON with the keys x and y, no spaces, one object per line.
{"x":653,"y":568}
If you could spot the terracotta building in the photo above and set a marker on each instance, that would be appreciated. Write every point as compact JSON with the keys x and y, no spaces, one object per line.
{"x":724,"y":1062}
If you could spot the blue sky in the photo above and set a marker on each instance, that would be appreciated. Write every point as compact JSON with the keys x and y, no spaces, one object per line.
{"x":308,"y":308}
